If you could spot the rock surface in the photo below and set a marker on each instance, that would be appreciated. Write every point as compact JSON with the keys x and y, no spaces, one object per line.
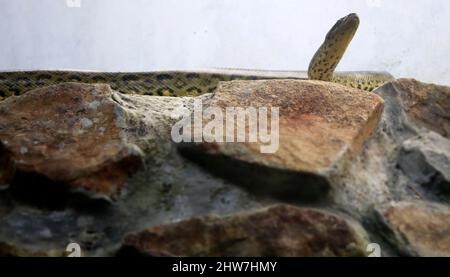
{"x":417,"y":228}
{"x":69,"y":134}
{"x":426,"y":161}
{"x":425,"y":105}
{"x":275,"y":231}
{"x":417,"y":124}
{"x":10,"y":250}
{"x":399,"y":165}
{"x":408,"y":157}
{"x":322,"y":126}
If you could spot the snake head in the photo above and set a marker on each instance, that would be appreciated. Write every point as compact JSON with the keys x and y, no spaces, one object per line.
{"x":333,"y":48}
{"x":344,"y":27}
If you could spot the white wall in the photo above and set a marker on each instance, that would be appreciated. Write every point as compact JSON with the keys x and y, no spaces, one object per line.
{"x":406,"y":37}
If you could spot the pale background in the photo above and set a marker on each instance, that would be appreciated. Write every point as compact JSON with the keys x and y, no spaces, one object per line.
{"x":405,"y":37}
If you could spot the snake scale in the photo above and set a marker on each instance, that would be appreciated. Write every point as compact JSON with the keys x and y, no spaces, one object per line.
{"x":183,"y":83}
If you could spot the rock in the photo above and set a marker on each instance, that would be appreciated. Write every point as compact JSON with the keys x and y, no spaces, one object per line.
{"x":322,"y":126}
{"x":332,"y":144}
{"x":417,"y":228}
{"x":9,"y":250}
{"x":280,"y":230}
{"x":426,"y":161}
{"x":425,"y":105}
{"x":407,"y":157}
{"x":417,"y":126}
{"x":69,"y":134}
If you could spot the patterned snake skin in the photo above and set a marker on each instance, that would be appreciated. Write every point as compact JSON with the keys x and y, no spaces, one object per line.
{"x":180,"y":83}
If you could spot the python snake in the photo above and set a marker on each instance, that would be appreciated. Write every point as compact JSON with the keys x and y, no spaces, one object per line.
{"x":182,"y":83}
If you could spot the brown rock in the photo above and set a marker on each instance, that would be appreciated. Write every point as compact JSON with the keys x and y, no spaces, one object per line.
{"x":69,"y":133}
{"x":427,"y":105}
{"x":10,"y":250}
{"x":418,"y":228}
{"x":321,"y":126}
{"x":280,"y":230}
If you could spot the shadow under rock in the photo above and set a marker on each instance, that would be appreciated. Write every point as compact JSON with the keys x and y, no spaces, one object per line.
{"x":38,"y":191}
{"x":284,"y":185}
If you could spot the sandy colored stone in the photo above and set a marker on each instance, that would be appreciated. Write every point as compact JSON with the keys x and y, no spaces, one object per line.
{"x":419,"y":228}
{"x":321,"y":127}
{"x":280,"y":230}
{"x":70,"y":134}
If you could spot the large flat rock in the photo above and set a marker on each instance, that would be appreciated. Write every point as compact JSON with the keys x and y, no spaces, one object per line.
{"x":67,"y":134}
{"x":321,"y":127}
{"x":280,"y":230}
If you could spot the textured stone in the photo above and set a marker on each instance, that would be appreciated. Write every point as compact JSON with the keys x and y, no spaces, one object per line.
{"x":405,"y":160}
{"x":70,"y":134}
{"x":10,"y":250}
{"x":418,"y":228}
{"x":407,"y":157}
{"x":426,"y":161}
{"x":280,"y":230}
{"x":415,"y":128}
{"x":321,"y":127}
{"x":425,"y":105}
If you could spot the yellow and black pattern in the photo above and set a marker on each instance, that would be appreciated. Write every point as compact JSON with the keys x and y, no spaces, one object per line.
{"x":170,"y":83}
{"x":365,"y":80}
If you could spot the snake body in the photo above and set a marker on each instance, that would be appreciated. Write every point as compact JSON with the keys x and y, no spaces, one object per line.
{"x":162,"y":83}
{"x":183,"y":83}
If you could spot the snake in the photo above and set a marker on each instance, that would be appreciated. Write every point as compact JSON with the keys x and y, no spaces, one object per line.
{"x":192,"y":83}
